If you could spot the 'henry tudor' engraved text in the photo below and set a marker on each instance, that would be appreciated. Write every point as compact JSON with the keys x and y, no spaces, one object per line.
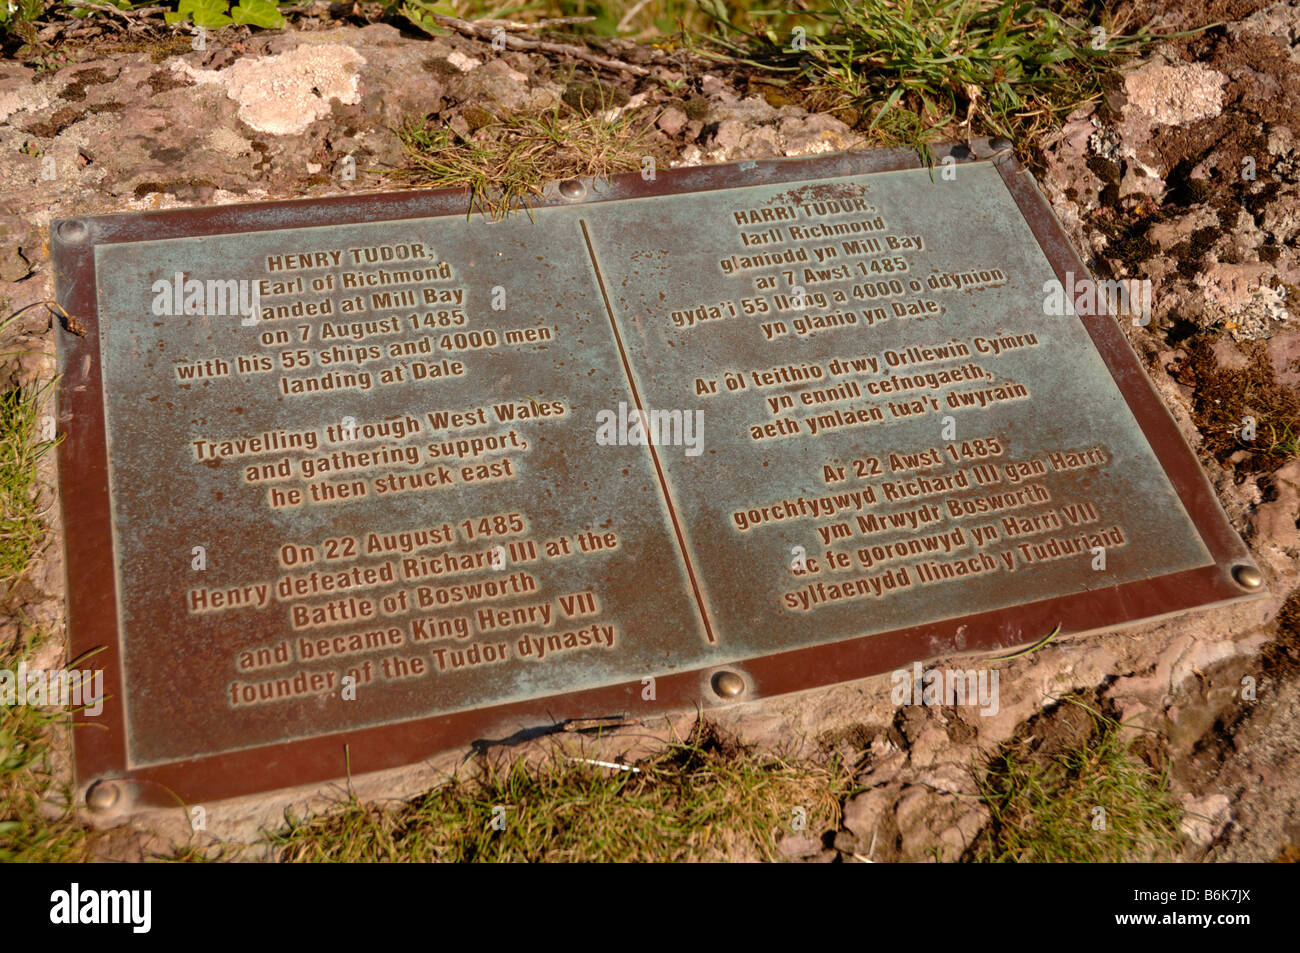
{"x":410,"y":600}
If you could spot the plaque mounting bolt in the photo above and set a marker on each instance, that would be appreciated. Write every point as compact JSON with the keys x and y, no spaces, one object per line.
{"x":728,"y":684}
{"x":73,"y":231}
{"x":1248,"y":577}
{"x":103,"y":796}
{"x":572,"y":189}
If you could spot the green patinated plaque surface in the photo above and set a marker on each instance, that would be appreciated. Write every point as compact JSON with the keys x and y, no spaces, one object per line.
{"x":801,"y":421}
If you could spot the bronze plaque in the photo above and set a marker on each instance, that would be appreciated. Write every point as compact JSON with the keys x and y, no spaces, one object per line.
{"x":368,"y":472}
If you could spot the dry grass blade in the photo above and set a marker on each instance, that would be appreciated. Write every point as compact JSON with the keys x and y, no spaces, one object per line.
{"x":508,"y":162}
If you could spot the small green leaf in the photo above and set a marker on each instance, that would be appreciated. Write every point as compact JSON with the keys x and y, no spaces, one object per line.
{"x":421,"y":14}
{"x":205,"y":13}
{"x":258,"y":13}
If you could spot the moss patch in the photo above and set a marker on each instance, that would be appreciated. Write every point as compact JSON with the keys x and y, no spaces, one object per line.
{"x":1224,"y":397}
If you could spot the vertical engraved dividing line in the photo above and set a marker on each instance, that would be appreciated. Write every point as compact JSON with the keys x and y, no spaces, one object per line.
{"x":654,"y":455}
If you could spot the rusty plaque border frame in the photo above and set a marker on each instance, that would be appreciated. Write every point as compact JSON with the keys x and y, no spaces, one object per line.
{"x":100,"y":742}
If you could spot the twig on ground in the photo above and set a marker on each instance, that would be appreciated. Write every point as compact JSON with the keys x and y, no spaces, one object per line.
{"x":608,"y":764}
{"x":518,"y":26}
{"x":109,"y":8}
{"x":480,"y":32}
{"x":627,"y":17}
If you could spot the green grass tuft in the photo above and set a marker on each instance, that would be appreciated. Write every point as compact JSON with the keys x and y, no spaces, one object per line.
{"x":35,"y":824}
{"x":1044,"y":809}
{"x":691,"y":802}
{"x":21,"y":528}
{"x":997,"y":66}
{"x":32,"y":828}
